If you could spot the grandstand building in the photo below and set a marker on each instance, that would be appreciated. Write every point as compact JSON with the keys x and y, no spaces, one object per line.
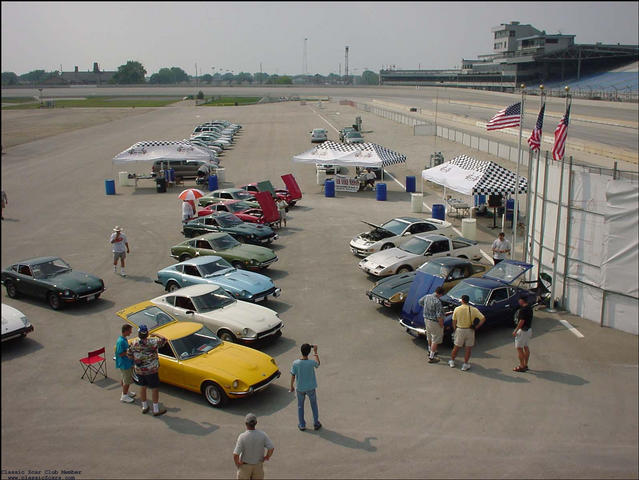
{"x":522,"y":54}
{"x":95,"y":77}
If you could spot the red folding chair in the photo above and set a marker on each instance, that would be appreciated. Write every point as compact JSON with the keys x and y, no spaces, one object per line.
{"x":94,"y":364}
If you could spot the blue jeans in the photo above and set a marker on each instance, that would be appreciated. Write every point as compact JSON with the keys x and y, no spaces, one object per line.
{"x":300,"y":407}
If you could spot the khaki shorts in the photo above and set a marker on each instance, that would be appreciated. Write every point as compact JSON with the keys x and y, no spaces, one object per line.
{"x":251,"y":471}
{"x":434,"y":332}
{"x":522,"y":338}
{"x":118,"y":255}
{"x":126,"y":375}
{"x":464,"y":337}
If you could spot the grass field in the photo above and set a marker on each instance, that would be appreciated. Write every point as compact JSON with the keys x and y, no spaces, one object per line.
{"x":230,"y":101}
{"x":97,"y":102}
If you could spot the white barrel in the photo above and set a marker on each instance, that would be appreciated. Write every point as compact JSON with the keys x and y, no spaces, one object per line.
{"x":469,"y":228}
{"x":123,"y":179}
{"x":221,"y":174}
{"x":416,"y":202}
{"x":321,"y":177}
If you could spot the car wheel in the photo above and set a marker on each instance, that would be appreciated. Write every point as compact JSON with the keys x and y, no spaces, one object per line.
{"x":227,"y":336}
{"x":172,"y":286}
{"x":238,"y":265}
{"x":214,"y":394}
{"x":386,"y":246}
{"x":184,"y":257}
{"x":11,"y":289}
{"x":404,"y":269}
{"x":463,"y":256}
{"x":54,"y":301}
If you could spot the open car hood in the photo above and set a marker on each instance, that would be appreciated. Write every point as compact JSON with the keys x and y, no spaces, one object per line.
{"x":424,"y":283}
{"x":267,"y":204}
{"x":508,"y":271}
{"x":292,"y":186}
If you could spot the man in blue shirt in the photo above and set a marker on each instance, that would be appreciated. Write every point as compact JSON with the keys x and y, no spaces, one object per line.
{"x":124,"y":364}
{"x":303,"y":371}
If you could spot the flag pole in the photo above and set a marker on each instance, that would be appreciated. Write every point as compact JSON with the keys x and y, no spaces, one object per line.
{"x":530,"y":227}
{"x":513,"y":251}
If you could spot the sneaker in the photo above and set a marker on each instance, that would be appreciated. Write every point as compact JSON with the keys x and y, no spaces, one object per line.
{"x":301,"y":428}
{"x":451,"y":363}
{"x":318,"y":426}
{"x":131,"y":394}
{"x":126,"y":399}
{"x":145,"y":409}
{"x":161,"y":411}
{"x":433,"y":360}
{"x":123,"y":274}
{"x":465,"y":366}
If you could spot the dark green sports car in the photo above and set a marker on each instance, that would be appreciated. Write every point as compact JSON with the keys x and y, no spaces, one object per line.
{"x":227,"y":222}
{"x":53,"y":279}
{"x":240,"y":255}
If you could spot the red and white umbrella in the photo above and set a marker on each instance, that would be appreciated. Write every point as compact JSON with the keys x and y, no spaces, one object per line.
{"x":191,"y":195}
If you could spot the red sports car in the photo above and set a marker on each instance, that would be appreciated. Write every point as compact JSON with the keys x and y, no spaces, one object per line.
{"x":290,"y":195}
{"x":245,"y":211}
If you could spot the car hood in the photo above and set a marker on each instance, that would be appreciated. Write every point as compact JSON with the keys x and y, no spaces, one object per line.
{"x":424,"y":283}
{"x":246,"y":364}
{"x":13,"y":318}
{"x":251,"y":251}
{"x":389,"y":257}
{"x":239,"y":280}
{"x":245,"y":314}
{"x":251,"y":229}
{"x":76,"y":281}
{"x":389,"y":286}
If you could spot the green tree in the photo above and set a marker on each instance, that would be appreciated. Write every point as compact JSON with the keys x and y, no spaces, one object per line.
{"x":169,"y":76}
{"x":284,"y":80}
{"x":131,"y":73}
{"x":206,"y":78}
{"x":228,"y":77}
{"x":9,"y":78}
{"x":244,"y":77}
{"x":370,"y":78}
{"x":260,"y":77}
{"x":34,"y":76}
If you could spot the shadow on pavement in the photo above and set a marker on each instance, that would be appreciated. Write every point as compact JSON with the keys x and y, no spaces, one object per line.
{"x":107,"y":383}
{"x":74,"y":309}
{"x":273,"y":273}
{"x":277,"y":305}
{"x":264,"y":403}
{"x":347,"y":442}
{"x":17,"y":347}
{"x":186,"y":426}
{"x":559,"y":377}
{"x":277,"y":346}
{"x":494,"y":373}
{"x":302,"y":208}
{"x":139,"y":278}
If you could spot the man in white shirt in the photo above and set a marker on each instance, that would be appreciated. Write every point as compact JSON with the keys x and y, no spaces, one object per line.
{"x":248,"y":454}
{"x":501,"y":248}
{"x":120,"y":248}
{"x":187,"y":211}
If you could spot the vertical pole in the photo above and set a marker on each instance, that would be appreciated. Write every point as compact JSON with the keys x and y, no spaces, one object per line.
{"x":543,"y":217}
{"x":533,"y":216}
{"x":568,"y":235}
{"x":528,"y":209}
{"x":513,"y":252}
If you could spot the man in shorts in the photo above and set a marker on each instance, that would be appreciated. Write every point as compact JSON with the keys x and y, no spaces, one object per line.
{"x":144,"y":353}
{"x":433,"y":322}
{"x":464,"y":328}
{"x":523,"y":334}
{"x":120,"y":248}
{"x":248,"y":454}
{"x":124,"y":364}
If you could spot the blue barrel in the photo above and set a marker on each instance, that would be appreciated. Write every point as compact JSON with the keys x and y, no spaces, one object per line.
{"x":410,"y":183}
{"x":212,"y":182}
{"x":480,"y":200}
{"x":109,"y":186}
{"x":380,"y":191}
{"x":329,"y":188}
{"x":439,"y":211}
{"x":510,"y":207}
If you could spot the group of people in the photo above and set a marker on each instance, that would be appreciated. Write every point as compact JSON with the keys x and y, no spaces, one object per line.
{"x":140,"y":356}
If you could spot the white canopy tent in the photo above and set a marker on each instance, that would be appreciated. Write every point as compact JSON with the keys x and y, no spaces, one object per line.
{"x":162,"y":151}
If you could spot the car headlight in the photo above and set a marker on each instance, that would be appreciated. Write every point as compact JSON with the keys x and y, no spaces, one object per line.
{"x":25,"y":321}
{"x":67,"y":293}
{"x":398,"y":297}
{"x":253,"y":262}
{"x":273,"y":362}
{"x":252,"y":235}
{"x":236,"y":383}
{"x":245,"y":331}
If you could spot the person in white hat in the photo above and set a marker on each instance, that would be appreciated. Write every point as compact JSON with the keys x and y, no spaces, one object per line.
{"x":120,"y":246}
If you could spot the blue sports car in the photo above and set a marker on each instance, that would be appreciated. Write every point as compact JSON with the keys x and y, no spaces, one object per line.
{"x":495,"y":294}
{"x":211,"y":269}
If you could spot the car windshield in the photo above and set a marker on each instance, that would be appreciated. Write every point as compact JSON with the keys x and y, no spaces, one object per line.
{"x":433,"y":268}
{"x":151,"y":316}
{"x":238,"y":206}
{"x":212,"y":300}
{"x":50,"y":268}
{"x":224,"y":242}
{"x":197,"y":343}
{"x":416,"y":245}
{"x":242,"y":195}
{"x":506,"y":272}
{"x":215,"y":268}
{"x":229,"y":220}
{"x":395,"y":226}
{"x":476,"y":295}
{"x":354,"y":135}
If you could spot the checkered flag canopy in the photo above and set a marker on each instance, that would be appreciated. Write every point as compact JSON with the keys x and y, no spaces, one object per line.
{"x":388,"y":157}
{"x":494,"y":180}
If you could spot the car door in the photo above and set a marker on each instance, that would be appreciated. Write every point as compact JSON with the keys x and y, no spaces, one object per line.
{"x":191,"y":276}
{"x":439,"y":248}
{"x":211,"y":225}
{"x":203,"y":247}
{"x":499,"y":304}
{"x":25,"y":283}
{"x":171,"y":369}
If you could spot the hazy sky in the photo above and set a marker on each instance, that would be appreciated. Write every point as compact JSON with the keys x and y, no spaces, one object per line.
{"x":238,"y":36}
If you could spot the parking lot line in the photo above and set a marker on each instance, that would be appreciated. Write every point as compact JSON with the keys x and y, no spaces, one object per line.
{"x":320,"y":115}
{"x":576,"y":332}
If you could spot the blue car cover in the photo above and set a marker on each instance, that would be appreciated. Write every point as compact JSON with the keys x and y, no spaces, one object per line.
{"x":424,"y":283}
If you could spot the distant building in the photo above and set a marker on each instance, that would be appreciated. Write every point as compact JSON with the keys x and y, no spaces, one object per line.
{"x":521,"y":53}
{"x":95,"y":77}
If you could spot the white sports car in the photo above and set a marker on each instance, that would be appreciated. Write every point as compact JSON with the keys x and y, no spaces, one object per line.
{"x":14,"y":323}
{"x":416,"y":251}
{"x":395,"y":232}
{"x":230,"y":319}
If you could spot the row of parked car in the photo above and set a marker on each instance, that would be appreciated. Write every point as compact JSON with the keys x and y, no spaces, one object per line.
{"x":415,"y":256}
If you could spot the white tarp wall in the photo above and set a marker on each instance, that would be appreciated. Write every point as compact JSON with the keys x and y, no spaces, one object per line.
{"x":600,"y":282}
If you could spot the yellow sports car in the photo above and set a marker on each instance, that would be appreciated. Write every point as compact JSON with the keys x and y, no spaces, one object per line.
{"x":194,"y":358}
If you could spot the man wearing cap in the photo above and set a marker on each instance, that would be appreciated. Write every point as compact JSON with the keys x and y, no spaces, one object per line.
{"x":248,"y":454}
{"x":120,"y":246}
{"x":464,"y":330}
{"x":144,"y":353}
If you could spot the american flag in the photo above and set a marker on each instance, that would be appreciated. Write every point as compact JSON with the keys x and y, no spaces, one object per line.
{"x":535,"y":137}
{"x":508,"y":117}
{"x":560,"y":136}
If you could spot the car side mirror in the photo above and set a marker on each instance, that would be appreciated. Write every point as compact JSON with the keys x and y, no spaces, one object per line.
{"x":190,"y":312}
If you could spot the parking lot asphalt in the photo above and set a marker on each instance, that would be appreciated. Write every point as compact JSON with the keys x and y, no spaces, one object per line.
{"x":386,"y":412}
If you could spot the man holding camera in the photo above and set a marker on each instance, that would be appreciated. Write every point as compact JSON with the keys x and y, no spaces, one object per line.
{"x":464,"y":328}
{"x":303,"y":371}
{"x":144,"y":353}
